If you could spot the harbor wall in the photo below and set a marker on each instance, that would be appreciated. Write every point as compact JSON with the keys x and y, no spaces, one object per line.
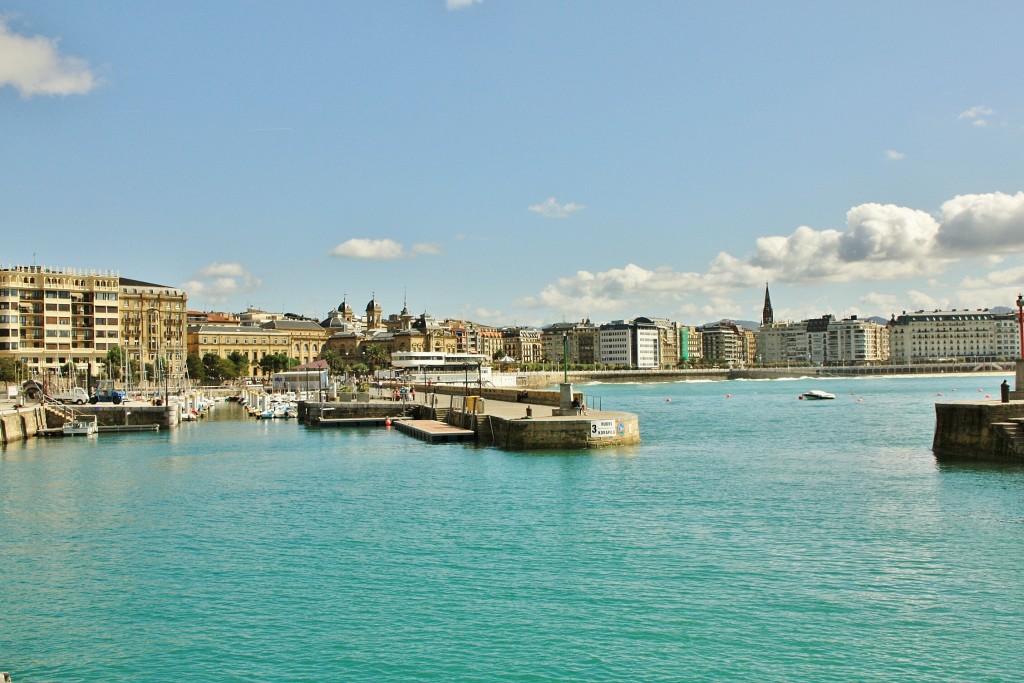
{"x":527,"y":434}
{"x":167,"y":417}
{"x":314,"y":412}
{"x":540,"y":397}
{"x":21,"y":423}
{"x":971,"y":430}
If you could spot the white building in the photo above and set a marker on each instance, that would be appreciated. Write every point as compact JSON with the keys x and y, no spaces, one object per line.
{"x":930,"y":336}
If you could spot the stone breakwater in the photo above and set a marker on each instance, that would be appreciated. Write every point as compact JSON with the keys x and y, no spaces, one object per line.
{"x":22,"y":423}
{"x":980,"y":430}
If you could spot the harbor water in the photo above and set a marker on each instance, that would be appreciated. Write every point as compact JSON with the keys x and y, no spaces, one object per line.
{"x":751,"y":536}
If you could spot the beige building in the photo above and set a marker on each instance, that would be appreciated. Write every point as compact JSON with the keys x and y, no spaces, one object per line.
{"x":306,"y":339}
{"x":252,"y":342}
{"x":52,"y":317}
{"x":153,"y":324}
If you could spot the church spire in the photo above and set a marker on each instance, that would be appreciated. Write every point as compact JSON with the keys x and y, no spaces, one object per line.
{"x":767,"y":315}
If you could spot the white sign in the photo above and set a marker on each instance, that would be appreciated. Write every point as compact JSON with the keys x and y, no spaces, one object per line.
{"x":602,"y":428}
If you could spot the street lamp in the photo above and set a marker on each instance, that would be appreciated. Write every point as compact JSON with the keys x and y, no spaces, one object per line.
{"x":1020,"y":323}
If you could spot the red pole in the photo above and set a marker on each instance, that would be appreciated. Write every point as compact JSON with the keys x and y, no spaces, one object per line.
{"x":1020,"y":322}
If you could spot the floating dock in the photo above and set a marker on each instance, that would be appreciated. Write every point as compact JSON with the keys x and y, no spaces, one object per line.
{"x":433,"y":431}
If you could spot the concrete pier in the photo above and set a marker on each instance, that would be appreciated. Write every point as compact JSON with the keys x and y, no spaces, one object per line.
{"x":980,"y":430}
{"x":504,"y":418}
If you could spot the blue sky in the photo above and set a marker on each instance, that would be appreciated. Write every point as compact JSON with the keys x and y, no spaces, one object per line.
{"x":521,"y":161}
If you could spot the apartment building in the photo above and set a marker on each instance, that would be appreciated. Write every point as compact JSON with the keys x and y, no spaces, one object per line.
{"x":154,"y":320}
{"x":929,"y":336}
{"x":52,"y":317}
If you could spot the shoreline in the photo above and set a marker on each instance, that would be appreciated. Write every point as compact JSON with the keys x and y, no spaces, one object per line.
{"x":548,"y":378}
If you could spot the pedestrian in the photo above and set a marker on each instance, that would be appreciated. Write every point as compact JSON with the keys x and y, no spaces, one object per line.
{"x":412,"y":392}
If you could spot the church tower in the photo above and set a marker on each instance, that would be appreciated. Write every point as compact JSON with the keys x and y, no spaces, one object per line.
{"x":374,"y":314}
{"x":767,"y":315}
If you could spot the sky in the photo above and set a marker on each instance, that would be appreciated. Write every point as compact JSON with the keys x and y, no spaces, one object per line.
{"x":522,"y":162}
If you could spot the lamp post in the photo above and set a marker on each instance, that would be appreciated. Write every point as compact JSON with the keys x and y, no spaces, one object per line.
{"x":1020,"y":323}
{"x":565,"y":357}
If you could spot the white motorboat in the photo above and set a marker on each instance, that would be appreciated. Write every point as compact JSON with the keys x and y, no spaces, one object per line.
{"x":82,"y":425}
{"x":816,"y":395}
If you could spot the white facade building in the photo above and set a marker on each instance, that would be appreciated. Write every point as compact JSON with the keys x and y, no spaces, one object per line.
{"x":932,"y":336}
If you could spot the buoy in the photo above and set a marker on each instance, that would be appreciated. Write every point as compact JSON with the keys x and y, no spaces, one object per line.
{"x":387,"y":422}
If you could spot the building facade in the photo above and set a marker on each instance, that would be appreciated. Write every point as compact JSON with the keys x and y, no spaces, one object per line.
{"x":937,"y":336}
{"x":50,"y":318}
{"x":153,"y":329}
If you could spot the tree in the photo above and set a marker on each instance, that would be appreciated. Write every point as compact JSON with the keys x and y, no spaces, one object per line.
{"x":217,"y":369}
{"x":196,"y":369}
{"x":276,"y":362}
{"x":376,"y":355}
{"x":115,"y":361}
{"x":10,"y":370}
{"x":240,"y":364}
{"x":335,"y":361}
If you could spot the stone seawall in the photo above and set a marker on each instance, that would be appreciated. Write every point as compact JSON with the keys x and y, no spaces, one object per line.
{"x":166,"y":417}
{"x":541,"y":397}
{"x":973,"y":430}
{"x":21,"y":423}
{"x":560,"y":433}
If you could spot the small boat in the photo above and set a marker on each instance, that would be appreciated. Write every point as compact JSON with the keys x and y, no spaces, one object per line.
{"x":816,"y":395}
{"x":82,"y":425}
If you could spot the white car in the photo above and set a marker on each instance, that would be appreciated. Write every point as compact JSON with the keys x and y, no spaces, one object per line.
{"x":76,"y":395}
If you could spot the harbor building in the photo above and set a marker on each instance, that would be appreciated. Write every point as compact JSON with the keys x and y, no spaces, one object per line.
{"x":153,"y":327}
{"x":728,"y":343}
{"x":522,"y":343}
{"x":255,"y":343}
{"x":630,"y":344}
{"x":690,"y":344}
{"x":935,"y":336}
{"x":53,"y":317}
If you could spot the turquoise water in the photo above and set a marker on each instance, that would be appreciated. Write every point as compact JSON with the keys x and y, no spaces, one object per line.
{"x":750,"y":537}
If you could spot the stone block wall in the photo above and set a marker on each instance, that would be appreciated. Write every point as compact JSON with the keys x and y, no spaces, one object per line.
{"x":964,"y":429}
{"x":525,"y":434}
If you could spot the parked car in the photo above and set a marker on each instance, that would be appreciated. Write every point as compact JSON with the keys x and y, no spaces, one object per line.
{"x":76,"y":395}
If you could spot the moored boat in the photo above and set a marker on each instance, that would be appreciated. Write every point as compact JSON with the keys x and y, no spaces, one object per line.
{"x":816,"y":395}
{"x":81,"y":425}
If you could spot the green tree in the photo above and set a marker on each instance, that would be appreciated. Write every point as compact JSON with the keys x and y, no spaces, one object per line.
{"x":196,"y":369}
{"x":376,"y":356}
{"x":10,"y":370}
{"x":276,"y":362}
{"x":335,"y":361}
{"x":217,"y":369}
{"x":239,"y":364}
{"x":115,"y":362}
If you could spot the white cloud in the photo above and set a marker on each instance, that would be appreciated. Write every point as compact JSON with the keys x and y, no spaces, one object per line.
{"x":1011,"y":278}
{"x":33,"y":65}
{"x":217,"y":282}
{"x":383,"y":249}
{"x":880,"y":242}
{"x":550,"y":208}
{"x":460,"y":4}
{"x":893,"y":155}
{"x":363,"y":248}
{"x":977,"y":115}
{"x":880,"y":301}
{"x":983,"y":223}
